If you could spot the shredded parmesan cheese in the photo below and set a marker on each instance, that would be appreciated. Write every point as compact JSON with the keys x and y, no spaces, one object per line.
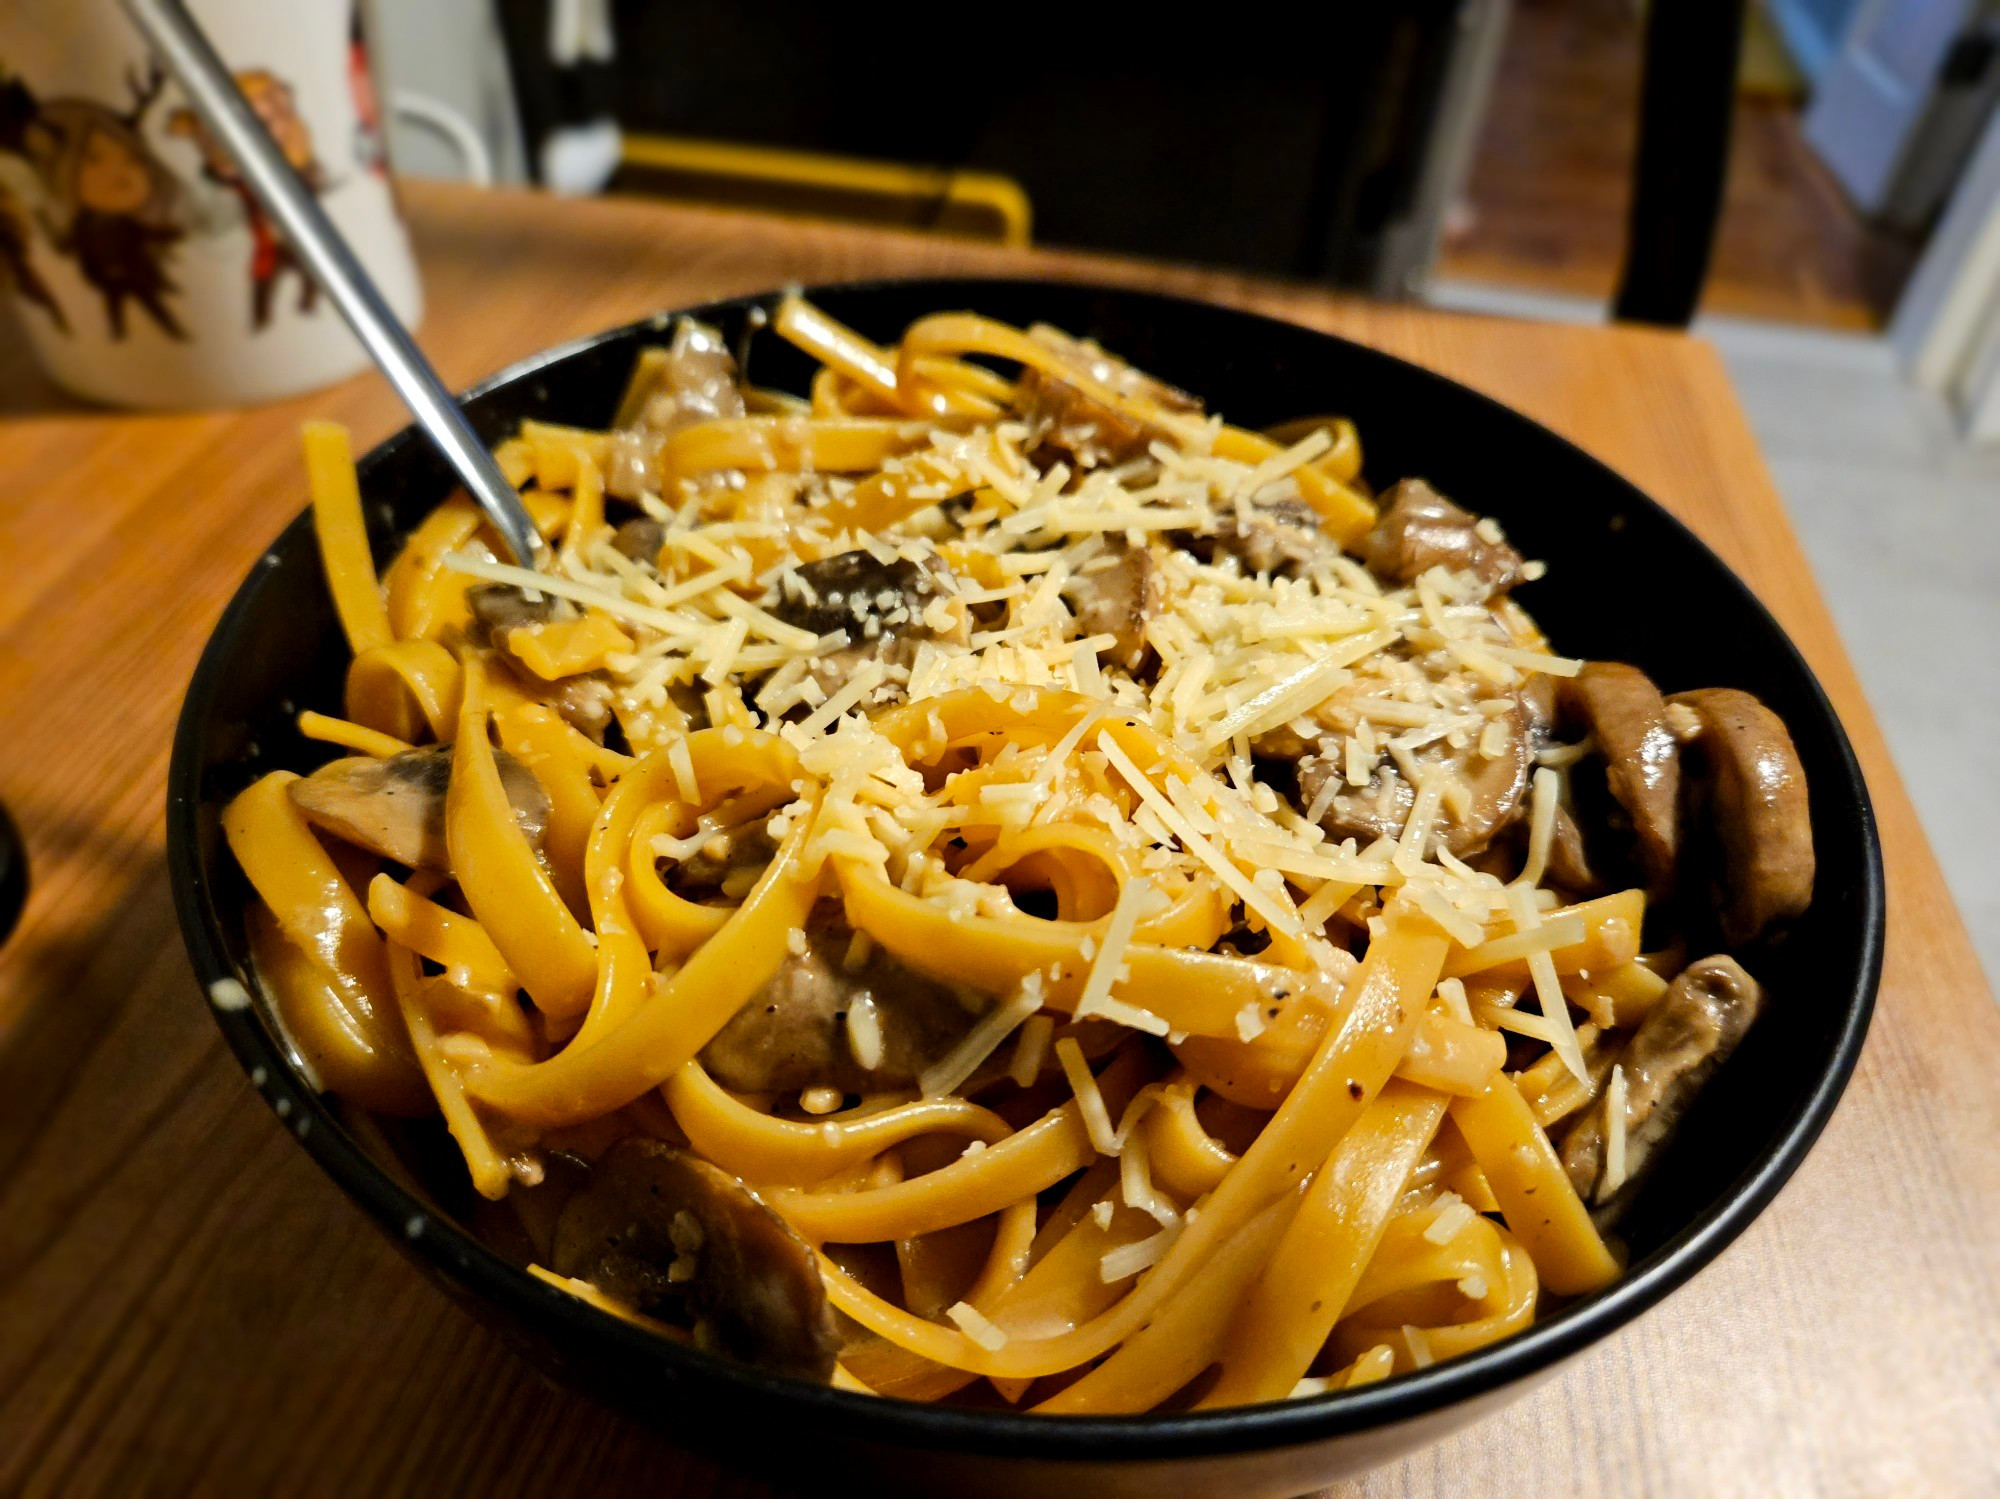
{"x":1614,"y":1134}
{"x":1419,"y":1344}
{"x":1130,"y":1259}
{"x":1135,"y":1182}
{"x":864,"y":681}
{"x":682,"y":764}
{"x":864,"y":1032}
{"x":1089,"y":1101}
{"x":985,"y":1038}
{"x":1275,"y":915}
{"x":1096,"y":996}
{"x":975,"y":1326}
{"x":1031,"y":1050}
{"x":1548,"y":988}
{"x":1450,"y":1219}
{"x":1547,"y":792}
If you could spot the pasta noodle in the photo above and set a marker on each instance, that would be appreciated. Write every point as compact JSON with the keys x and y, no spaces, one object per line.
{"x":1093,"y":895}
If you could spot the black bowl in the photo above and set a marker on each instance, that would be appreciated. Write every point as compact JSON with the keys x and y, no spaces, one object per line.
{"x":1627,"y":582}
{"x":13,"y":875}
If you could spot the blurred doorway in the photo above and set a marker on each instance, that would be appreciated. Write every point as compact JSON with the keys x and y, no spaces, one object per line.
{"x":1545,"y":205}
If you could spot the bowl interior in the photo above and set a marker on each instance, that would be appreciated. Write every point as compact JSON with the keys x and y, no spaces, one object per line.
{"x":1626,"y":582}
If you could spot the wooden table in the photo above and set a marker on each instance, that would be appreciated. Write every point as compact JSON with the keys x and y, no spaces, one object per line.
{"x":186,"y":1305}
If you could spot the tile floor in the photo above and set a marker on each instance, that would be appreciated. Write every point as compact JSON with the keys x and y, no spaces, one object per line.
{"x":1902,"y":523}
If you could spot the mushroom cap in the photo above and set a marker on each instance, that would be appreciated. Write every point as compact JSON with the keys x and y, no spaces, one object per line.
{"x":849,"y":589}
{"x":1756,"y":803}
{"x":1625,"y":713}
{"x":640,"y":539}
{"x":1115,"y":595}
{"x":500,"y":607}
{"x":1283,"y":538}
{"x":1074,"y":425}
{"x":671,"y":1234}
{"x":1420,"y":529}
{"x":1684,"y":1038}
{"x":1569,"y":861}
{"x":1495,"y":787}
{"x":794,"y":1034}
{"x":394,"y":806}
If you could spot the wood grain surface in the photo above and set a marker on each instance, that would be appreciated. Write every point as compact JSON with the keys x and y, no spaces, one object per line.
{"x":187,"y":1306}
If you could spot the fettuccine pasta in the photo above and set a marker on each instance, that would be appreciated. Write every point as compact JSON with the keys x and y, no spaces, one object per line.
{"x":988,"y":882}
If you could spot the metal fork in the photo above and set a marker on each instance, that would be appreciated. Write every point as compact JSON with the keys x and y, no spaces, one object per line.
{"x":192,"y":61}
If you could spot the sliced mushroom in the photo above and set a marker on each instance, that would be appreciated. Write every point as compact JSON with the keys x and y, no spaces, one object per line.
{"x":1569,"y":863}
{"x":1685,"y":1036}
{"x":1079,"y":429}
{"x":640,"y":539}
{"x":1624,"y":712}
{"x":797,"y":1031}
{"x":885,"y":608}
{"x":691,"y":380}
{"x":724,"y":862}
{"x":1748,"y":786}
{"x":500,"y":607}
{"x":857,"y":592}
{"x":395,"y":806}
{"x":1375,"y":810}
{"x":1487,"y":795}
{"x":1420,"y":529}
{"x":583,"y":702}
{"x":1494,"y":786}
{"x":1283,"y":539}
{"x":675,"y":1237}
{"x":1116,"y":594}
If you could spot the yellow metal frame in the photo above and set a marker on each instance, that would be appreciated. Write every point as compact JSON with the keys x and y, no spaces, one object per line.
{"x":975,"y":205}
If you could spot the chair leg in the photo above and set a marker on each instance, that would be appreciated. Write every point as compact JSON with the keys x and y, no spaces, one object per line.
{"x":1687,"y":99}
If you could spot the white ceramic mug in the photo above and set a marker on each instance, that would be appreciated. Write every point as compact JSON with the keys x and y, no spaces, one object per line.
{"x":143,"y":271}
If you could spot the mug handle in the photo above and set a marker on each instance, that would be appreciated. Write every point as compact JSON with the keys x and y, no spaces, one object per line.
{"x":457,"y":131}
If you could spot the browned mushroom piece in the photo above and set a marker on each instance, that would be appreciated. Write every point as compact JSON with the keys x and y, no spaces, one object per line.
{"x":1420,"y":529}
{"x":1492,"y":789}
{"x":1283,"y":539}
{"x":640,"y":539}
{"x":1077,"y":428}
{"x":1569,"y":862}
{"x":691,"y":380}
{"x":394,"y":806}
{"x":797,"y":1031}
{"x":1115,"y":594}
{"x":1684,"y":1038}
{"x":860,"y":593}
{"x":1622,"y":709}
{"x":500,"y":607}
{"x":886,"y":609}
{"x":1749,"y":789}
{"x":726,"y":865}
{"x":1495,"y":786}
{"x":677,"y":1238}
{"x":1376,"y":810}
{"x":583,"y":702}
